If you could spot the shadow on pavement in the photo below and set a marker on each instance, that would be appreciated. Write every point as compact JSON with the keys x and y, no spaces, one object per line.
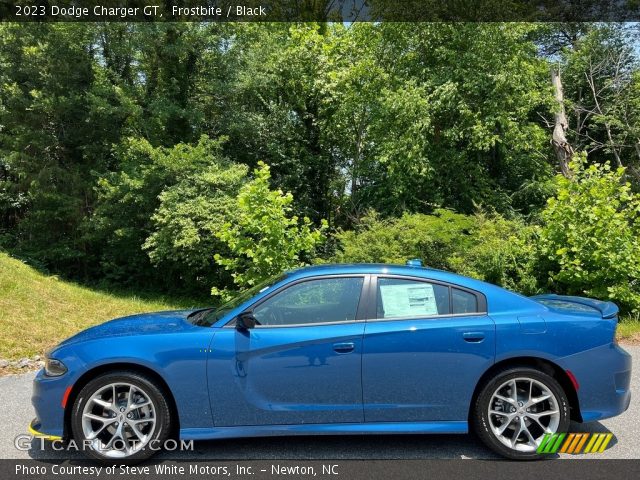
{"x":346,"y":447}
{"x":308,"y":448}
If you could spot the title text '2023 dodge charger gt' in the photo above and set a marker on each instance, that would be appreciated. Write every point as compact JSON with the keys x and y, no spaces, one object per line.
{"x":340,"y":349}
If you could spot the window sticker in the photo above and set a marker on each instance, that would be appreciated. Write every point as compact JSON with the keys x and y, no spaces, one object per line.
{"x":408,"y":300}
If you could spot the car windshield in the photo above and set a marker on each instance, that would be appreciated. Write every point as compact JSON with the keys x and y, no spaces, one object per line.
{"x":210,"y":316}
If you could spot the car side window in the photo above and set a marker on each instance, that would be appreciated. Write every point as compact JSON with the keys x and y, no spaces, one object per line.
{"x":463,"y":302}
{"x":411,"y":298}
{"x":313,"y":301}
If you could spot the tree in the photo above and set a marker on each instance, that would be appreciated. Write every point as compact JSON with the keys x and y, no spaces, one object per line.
{"x":590,"y":239}
{"x":599,"y":69}
{"x":276,"y":95}
{"x":455,"y":121}
{"x":264,"y":238}
{"x":59,"y":117}
{"x":161,"y":211}
{"x":562,"y":147}
{"x":190,"y":214}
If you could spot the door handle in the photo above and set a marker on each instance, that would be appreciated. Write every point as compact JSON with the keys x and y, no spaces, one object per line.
{"x":473,"y":337}
{"x":345,"y":347}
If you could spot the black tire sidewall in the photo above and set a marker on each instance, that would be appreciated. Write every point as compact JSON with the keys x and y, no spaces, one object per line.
{"x":480,"y":415}
{"x":156,"y":395}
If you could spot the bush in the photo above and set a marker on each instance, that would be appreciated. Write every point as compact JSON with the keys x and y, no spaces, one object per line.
{"x":590,"y":241}
{"x":484,"y":246}
{"x":264,"y":238}
{"x":503,"y":253}
{"x":157,"y":217}
{"x":189,"y":216}
{"x":433,"y":238}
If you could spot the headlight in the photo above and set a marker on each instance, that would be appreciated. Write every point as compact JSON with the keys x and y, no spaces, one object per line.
{"x":54,"y":368}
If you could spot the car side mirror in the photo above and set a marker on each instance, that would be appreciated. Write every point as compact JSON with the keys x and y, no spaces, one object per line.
{"x":245,"y":321}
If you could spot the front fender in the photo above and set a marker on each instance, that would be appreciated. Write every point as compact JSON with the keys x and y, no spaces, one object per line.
{"x":179,"y":359}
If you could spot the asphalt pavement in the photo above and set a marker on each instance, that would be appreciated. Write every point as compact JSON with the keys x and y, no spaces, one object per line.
{"x":16,"y":412}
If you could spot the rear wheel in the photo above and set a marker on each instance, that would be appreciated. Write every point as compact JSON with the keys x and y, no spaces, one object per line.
{"x":121,"y":417}
{"x":516,"y":408}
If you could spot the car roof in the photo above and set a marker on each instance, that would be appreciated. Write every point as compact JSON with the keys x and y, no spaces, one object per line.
{"x":388,"y":269}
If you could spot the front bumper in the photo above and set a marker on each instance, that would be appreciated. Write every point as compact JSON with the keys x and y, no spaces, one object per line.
{"x":34,"y":429}
{"x":604,"y":377}
{"x":48,"y":393}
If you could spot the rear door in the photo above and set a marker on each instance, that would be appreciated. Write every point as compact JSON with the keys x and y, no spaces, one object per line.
{"x":426,"y":344}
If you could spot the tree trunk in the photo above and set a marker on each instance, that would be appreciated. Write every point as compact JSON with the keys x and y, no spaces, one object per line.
{"x":564,"y":151}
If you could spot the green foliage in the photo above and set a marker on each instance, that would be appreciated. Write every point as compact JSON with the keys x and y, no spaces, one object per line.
{"x":600,"y":68}
{"x":485,"y":246}
{"x":58,"y":118}
{"x":163,"y":210}
{"x":277,"y":96}
{"x":263,"y":237}
{"x":591,"y":235}
{"x":107,"y":173}
{"x":455,"y":128}
{"x":503,"y":252}
{"x":433,"y":238}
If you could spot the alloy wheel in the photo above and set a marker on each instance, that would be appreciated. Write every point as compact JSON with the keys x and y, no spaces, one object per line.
{"x":521,"y":411}
{"x":118,"y":420}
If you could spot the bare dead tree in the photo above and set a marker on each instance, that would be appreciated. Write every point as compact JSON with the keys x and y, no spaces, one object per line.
{"x":561,"y":146}
{"x":591,"y":74}
{"x":608,"y":81}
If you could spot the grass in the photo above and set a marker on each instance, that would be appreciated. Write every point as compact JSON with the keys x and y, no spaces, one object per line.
{"x":37,"y":311}
{"x":629,"y":329}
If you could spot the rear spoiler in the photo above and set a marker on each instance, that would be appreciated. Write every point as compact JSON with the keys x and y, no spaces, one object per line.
{"x":606,"y":309}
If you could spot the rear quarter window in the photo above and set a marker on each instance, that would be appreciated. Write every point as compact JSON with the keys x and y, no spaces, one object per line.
{"x":463,"y":302}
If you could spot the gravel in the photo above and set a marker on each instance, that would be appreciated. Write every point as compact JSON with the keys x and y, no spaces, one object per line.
{"x":23,"y":364}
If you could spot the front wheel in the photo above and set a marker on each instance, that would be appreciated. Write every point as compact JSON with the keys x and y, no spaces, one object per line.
{"x":516,"y":408}
{"x":121,"y":417}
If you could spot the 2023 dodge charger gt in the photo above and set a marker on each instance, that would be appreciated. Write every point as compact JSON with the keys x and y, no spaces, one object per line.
{"x":339,"y":349}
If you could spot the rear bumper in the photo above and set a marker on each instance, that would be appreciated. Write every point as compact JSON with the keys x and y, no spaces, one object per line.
{"x":604,"y":377}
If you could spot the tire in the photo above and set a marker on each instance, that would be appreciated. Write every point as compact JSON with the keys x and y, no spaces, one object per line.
{"x":511,"y":415}
{"x":133,"y":430}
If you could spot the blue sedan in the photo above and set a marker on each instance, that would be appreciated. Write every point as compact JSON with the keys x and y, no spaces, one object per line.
{"x":339,"y":349}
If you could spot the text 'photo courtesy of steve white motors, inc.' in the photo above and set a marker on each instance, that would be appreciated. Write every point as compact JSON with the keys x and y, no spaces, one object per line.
{"x":166,"y":470}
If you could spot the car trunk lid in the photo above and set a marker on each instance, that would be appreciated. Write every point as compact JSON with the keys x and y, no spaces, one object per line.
{"x":580,"y":305}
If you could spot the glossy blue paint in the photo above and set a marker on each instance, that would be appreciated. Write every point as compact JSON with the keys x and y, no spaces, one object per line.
{"x":601,"y":394}
{"x":408,"y":365}
{"x":408,"y":375}
{"x":251,"y":375}
{"x":163,"y":343}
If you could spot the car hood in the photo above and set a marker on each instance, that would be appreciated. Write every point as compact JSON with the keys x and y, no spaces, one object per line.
{"x":142,"y":324}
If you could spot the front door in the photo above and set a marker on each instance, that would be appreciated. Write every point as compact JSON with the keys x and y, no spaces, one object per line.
{"x":300,"y":364}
